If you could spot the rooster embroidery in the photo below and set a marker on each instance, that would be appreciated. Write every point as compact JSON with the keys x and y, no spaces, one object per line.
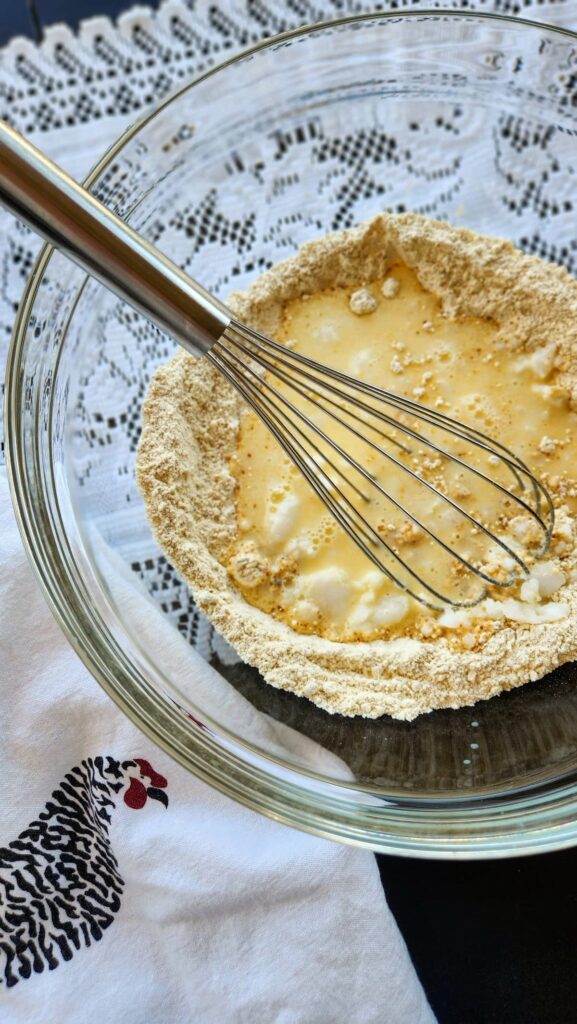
{"x":60,"y":886}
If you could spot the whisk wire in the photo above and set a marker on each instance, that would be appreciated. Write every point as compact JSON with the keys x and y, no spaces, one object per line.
{"x":352,"y":522}
{"x":433,"y":417}
{"x":265,"y":363}
{"x":406,"y":512}
{"x":247,"y":358}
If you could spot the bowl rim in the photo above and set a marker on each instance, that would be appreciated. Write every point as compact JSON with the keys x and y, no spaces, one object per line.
{"x":260,"y":782}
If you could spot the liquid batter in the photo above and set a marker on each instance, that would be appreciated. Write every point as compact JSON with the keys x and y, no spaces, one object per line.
{"x":292,"y":560}
{"x":468,"y":326}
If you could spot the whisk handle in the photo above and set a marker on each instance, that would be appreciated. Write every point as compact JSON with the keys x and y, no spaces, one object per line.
{"x":53,"y":204}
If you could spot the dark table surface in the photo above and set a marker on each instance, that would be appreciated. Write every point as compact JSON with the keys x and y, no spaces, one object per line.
{"x":493,"y":942}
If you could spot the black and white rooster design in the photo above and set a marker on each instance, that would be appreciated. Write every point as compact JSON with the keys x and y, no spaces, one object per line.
{"x":60,"y":886}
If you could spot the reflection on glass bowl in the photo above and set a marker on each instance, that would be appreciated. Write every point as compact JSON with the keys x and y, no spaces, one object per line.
{"x":461,"y":117}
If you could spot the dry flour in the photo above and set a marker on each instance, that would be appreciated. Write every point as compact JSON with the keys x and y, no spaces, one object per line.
{"x":190,"y":429}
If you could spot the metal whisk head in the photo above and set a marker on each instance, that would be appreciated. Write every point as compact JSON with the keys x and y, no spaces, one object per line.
{"x":428,"y":499}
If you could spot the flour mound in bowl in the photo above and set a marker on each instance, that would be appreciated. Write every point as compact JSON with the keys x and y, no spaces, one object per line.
{"x":406,"y":660}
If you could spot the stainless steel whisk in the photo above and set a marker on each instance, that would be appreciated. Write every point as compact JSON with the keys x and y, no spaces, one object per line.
{"x":300,"y":400}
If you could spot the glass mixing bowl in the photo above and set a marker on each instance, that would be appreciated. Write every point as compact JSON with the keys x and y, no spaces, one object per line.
{"x":463,"y":117}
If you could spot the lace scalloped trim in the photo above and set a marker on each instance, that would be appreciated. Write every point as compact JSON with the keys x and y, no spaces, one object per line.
{"x":108,"y":67}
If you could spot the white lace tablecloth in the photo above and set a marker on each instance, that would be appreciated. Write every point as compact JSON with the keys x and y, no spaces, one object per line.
{"x":73,"y":95}
{"x":77,"y":92}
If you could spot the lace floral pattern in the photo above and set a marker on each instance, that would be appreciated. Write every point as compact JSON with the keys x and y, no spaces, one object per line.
{"x":108,"y":71}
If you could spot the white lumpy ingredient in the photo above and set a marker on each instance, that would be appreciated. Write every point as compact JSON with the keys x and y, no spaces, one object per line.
{"x":330,"y":590}
{"x":282,"y":517}
{"x":390,"y":287}
{"x":362,"y":302}
{"x":540,"y":362}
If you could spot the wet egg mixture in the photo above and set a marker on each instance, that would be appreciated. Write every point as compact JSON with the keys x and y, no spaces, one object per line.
{"x":290,"y":558}
{"x":459,"y":324}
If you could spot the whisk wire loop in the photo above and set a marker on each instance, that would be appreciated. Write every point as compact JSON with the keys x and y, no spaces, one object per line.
{"x":272,"y":367}
{"x":349,"y":518}
{"x":250,"y":361}
{"x":367,"y":476}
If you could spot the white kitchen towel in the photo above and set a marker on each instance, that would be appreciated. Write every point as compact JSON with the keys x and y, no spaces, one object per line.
{"x":132,"y":893}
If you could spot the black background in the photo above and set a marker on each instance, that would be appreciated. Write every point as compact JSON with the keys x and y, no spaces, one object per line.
{"x":494,"y":942}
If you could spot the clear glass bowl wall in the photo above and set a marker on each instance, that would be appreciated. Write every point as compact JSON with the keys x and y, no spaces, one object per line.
{"x":466,"y":118}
